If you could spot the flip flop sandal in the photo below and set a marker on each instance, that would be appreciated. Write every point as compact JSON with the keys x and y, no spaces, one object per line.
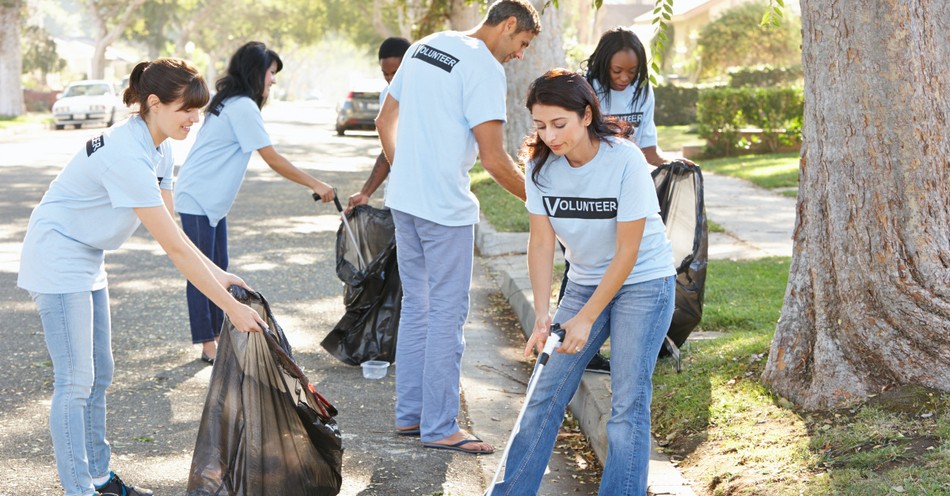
{"x":460,"y":446}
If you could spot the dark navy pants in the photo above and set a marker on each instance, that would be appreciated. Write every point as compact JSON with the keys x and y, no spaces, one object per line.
{"x":205,"y":317}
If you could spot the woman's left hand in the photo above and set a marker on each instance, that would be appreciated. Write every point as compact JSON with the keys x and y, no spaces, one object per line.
{"x":576,"y":332}
{"x":228,"y":279}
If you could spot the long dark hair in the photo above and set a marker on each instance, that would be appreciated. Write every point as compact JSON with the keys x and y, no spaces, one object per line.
{"x":246,"y":73}
{"x":570,"y":91}
{"x":598,"y":65}
{"x":169,"y":79}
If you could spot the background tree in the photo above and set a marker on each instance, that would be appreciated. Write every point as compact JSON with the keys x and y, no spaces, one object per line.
{"x":112,"y":17}
{"x":868,"y":300}
{"x":39,"y":54}
{"x":545,"y":53}
{"x":738,"y":39}
{"x":11,"y":59}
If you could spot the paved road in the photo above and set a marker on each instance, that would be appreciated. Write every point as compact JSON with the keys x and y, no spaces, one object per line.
{"x":283,"y":245}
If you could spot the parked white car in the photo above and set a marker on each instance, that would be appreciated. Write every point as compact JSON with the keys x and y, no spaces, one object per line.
{"x":94,"y":101}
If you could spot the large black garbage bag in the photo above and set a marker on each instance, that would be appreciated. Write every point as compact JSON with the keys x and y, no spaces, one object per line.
{"x":372,"y":292}
{"x":679,"y":188}
{"x":264,"y":429}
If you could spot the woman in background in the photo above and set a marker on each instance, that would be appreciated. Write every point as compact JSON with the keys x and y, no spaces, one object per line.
{"x":212,"y":174}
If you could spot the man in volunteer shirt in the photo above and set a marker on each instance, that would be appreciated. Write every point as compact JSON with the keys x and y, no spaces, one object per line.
{"x":448,"y":98}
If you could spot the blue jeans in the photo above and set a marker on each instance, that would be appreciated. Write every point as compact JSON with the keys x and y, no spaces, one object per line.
{"x":435,"y":266}
{"x":636,"y":320}
{"x":205,"y":317}
{"x":78,"y":333}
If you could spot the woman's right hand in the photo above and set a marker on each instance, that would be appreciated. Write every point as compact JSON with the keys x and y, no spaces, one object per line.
{"x":324,"y":191}
{"x":245,"y":318}
{"x":539,"y":335}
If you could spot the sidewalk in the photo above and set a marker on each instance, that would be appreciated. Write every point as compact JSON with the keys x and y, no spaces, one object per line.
{"x":759,"y":224}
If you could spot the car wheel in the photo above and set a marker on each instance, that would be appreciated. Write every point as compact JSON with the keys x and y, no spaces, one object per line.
{"x":111,"y":119}
{"x":59,"y":127}
{"x":340,"y":131}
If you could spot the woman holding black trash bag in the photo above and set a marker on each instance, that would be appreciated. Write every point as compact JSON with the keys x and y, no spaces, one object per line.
{"x":212,"y":174}
{"x":591,"y":190}
{"x":119,"y":180}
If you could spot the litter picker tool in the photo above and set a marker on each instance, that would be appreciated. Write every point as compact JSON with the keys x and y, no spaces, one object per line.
{"x":346,"y":225}
{"x":554,"y":339}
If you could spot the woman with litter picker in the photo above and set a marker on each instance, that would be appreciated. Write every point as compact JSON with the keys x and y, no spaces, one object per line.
{"x":212,"y":174}
{"x":119,"y":180}
{"x":591,"y":189}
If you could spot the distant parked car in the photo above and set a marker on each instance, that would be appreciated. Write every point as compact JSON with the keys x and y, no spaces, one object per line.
{"x":93,"y":101}
{"x":359,"y":109}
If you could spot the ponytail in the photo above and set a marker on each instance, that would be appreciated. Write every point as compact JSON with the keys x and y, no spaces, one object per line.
{"x":169,"y":79}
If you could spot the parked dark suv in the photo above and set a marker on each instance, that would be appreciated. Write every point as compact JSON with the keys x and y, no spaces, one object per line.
{"x":359,"y":109}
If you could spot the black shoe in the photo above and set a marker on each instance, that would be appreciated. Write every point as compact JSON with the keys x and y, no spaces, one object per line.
{"x":115,"y":487}
{"x":598,"y":365}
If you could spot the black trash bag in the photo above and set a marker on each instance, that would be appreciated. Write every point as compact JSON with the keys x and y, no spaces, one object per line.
{"x":372,"y":292}
{"x":264,"y":429}
{"x":679,"y":187}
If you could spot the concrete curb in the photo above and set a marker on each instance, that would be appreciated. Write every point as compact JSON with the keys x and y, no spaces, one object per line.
{"x":591,"y":403}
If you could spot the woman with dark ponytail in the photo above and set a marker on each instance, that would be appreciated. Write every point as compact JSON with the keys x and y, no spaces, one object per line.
{"x":117,"y":181}
{"x":211,"y":176}
{"x":590,"y":188}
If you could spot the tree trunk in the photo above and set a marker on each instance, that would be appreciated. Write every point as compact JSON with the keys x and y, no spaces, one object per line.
{"x":464,"y":16}
{"x":544,"y":54}
{"x":868,"y":300}
{"x":107,"y":36}
{"x":11,"y":59}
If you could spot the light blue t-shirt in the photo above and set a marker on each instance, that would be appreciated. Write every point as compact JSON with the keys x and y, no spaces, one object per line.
{"x":447,"y":84}
{"x":638,"y":114}
{"x":88,"y":209}
{"x":211,"y":176}
{"x":585,"y":203}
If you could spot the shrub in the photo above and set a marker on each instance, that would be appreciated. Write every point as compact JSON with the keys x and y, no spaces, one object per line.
{"x":766,"y":76}
{"x":675,"y":105}
{"x":723,"y":113}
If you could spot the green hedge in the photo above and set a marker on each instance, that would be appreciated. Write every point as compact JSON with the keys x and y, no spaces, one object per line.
{"x":724,"y":113}
{"x":766,"y":76}
{"x":675,"y":105}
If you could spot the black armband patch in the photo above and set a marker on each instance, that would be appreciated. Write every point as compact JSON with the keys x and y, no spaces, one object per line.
{"x":95,"y":144}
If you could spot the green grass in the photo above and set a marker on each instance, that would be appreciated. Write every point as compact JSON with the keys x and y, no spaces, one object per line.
{"x":675,"y":137}
{"x":28,"y":118}
{"x":504,"y":211}
{"x":771,"y":171}
{"x":739,"y":438}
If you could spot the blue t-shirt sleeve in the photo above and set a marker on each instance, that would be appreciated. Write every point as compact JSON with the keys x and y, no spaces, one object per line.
{"x":485,"y":99}
{"x":131,"y":183}
{"x":166,"y":168}
{"x":532,"y":193}
{"x":248,"y":125}
{"x":395,"y":86}
{"x":646,"y":131}
{"x":637,"y":191}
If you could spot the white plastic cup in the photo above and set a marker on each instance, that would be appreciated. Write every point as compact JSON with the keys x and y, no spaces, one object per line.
{"x":375,"y":369}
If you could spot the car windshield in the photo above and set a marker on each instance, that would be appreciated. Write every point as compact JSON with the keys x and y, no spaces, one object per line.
{"x":87,"y":90}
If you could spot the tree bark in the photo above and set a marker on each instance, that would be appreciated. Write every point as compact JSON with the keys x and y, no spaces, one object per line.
{"x":11,"y":59}
{"x":544,"y":54}
{"x":464,"y":16}
{"x":867,"y":305}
